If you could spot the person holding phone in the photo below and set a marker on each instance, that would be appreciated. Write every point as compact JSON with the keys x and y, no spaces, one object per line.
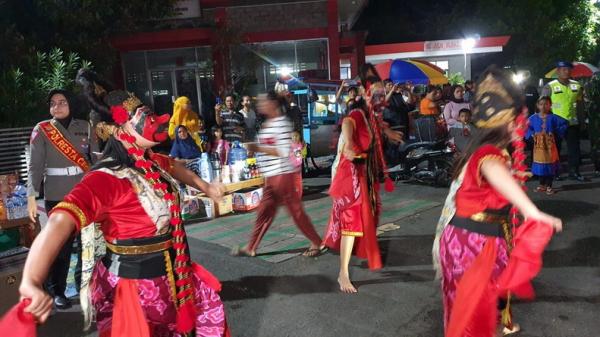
{"x":231,"y":121}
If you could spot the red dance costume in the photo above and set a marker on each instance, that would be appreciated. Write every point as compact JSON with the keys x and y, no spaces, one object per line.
{"x":128,"y":283}
{"x":356,"y":203}
{"x":476,"y":268}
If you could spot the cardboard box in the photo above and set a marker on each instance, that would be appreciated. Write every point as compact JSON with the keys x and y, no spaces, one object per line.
{"x":197,"y":208}
{"x":248,"y":199}
{"x":225,"y":206}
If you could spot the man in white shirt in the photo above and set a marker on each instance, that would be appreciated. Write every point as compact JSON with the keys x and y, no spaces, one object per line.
{"x":249,"y":118}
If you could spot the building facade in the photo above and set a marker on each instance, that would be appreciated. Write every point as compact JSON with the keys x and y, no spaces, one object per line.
{"x":217,"y":46}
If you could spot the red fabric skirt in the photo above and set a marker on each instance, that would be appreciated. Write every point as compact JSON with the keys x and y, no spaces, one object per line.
{"x":458,"y":250}
{"x":352,"y":213}
{"x":157,"y":306}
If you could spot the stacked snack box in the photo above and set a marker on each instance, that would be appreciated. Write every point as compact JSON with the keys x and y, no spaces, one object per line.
{"x":13,"y":198}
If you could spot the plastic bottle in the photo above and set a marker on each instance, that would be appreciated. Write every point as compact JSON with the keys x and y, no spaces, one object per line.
{"x":237,"y":153}
{"x":225,"y":174}
{"x":205,"y":168}
{"x":216,"y":166}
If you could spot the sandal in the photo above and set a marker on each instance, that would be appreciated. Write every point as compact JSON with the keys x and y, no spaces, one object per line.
{"x":314,"y":252}
{"x":237,"y":251}
{"x":541,"y":188}
{"x":550,"y":191}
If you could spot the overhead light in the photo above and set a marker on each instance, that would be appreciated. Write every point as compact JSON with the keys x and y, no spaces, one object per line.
{"x":518,"y":78}
{"x":284,"y":71}
{"x":468,"y":44}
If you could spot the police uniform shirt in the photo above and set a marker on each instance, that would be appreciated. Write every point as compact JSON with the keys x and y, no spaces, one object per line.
{"x":565,"y":99}
{"x":44,"y":156}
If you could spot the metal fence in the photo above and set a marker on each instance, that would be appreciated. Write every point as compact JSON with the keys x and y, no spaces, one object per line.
{"x":14,"y":151}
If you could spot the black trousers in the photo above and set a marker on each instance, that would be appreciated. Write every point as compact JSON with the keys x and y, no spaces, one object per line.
{"x":56,"y":283}
{"x":573,"y":138}
{"x":546,"y":180}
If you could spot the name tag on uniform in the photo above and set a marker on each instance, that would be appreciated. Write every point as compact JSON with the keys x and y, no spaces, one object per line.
{"x":557,"y":90}
{"x":574,"y":87}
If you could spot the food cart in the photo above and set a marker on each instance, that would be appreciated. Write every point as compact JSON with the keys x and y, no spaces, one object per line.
{"x":321,"y":115}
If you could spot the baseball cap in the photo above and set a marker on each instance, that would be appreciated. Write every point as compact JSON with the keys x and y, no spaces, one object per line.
{"x":561,"y":64}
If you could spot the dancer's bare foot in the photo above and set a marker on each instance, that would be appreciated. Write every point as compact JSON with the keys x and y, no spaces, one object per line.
{"x":515,"y":328}
{"x":345,"y":285}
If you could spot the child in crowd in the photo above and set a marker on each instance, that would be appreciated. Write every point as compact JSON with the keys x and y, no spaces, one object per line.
{"x":460,"y":131}
{"x":219,"y":146}
{"x":545,"y":128}
{"x":297,"y":156}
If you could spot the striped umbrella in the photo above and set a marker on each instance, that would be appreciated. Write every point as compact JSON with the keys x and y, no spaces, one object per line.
{"x":416,"y":71}
{"x":580,"y":69}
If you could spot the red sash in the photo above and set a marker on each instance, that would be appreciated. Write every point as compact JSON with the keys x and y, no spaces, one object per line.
{"x":63,"y":146}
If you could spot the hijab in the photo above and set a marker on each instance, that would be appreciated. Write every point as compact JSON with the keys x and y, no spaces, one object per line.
{"x":184,"y":148}
{"x":70,"y":101}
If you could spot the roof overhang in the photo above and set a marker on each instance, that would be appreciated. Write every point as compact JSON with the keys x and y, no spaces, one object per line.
{"x":384,"y":52}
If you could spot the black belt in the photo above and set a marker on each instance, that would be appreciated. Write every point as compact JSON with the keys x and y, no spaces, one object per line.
{"x":125,"y":259}
{"x":487,"y":223}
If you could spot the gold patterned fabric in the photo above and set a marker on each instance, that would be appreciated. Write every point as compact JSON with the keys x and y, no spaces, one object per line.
{"x":74,"y":210}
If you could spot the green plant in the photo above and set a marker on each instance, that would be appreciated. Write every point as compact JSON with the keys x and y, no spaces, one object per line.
{"x":456,"y":78}
{"x":23,"y":90}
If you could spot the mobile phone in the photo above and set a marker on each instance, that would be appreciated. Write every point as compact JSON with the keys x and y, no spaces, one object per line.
{"x":219,"y":101}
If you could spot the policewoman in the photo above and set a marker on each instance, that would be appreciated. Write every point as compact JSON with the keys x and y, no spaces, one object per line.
{"x":60,"y":153}
{"x":567,"y":102}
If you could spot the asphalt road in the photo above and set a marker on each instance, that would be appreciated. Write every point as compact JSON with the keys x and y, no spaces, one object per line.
{"x":300,"y":297}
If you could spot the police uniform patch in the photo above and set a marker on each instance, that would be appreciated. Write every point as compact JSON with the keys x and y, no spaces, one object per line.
{"x":557,"y":90}
{"x":34,"y":135}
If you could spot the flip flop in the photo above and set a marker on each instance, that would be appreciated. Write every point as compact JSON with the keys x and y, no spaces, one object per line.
{"x":314,"y":252}
{"x":237,"y":251}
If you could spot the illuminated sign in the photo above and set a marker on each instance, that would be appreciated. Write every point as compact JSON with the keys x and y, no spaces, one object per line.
{"x":443,"y":45}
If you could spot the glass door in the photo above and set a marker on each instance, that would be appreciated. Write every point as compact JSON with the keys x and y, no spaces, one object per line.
{"x":186,"y":82}
{"x":162,"y":91}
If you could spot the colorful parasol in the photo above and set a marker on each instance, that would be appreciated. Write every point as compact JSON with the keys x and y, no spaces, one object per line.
{"x":416,"y":71}
{"x":580,"y":69}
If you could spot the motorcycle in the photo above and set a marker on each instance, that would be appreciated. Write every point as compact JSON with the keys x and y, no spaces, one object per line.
{"x":427,"y":157}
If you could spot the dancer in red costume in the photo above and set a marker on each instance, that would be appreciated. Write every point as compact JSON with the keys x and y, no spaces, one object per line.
{"x":478,"y":227}
{"x":355,"y":182}
{"x":146,"y":284}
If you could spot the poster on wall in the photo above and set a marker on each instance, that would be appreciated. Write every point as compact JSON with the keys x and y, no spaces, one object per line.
{"x":186,"y":9}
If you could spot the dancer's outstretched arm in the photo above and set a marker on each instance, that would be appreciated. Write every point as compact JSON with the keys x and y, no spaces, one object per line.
{"x":499,"y":176}
{"x":43,"y":252}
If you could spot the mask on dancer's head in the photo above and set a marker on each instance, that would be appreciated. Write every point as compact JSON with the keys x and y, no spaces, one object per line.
{"x":498,"y":100}
{"x":126,"y":108}
{"x":376,"y":97}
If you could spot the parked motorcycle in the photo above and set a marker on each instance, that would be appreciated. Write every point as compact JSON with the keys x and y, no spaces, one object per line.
{"x":424,"y":162}
{"x":426,"y":157}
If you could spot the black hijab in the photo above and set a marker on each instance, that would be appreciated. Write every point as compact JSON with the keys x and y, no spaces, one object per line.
{"x":70,"y":100}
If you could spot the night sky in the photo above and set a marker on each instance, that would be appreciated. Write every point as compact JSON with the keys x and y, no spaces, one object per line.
{"x":390,"y":21}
